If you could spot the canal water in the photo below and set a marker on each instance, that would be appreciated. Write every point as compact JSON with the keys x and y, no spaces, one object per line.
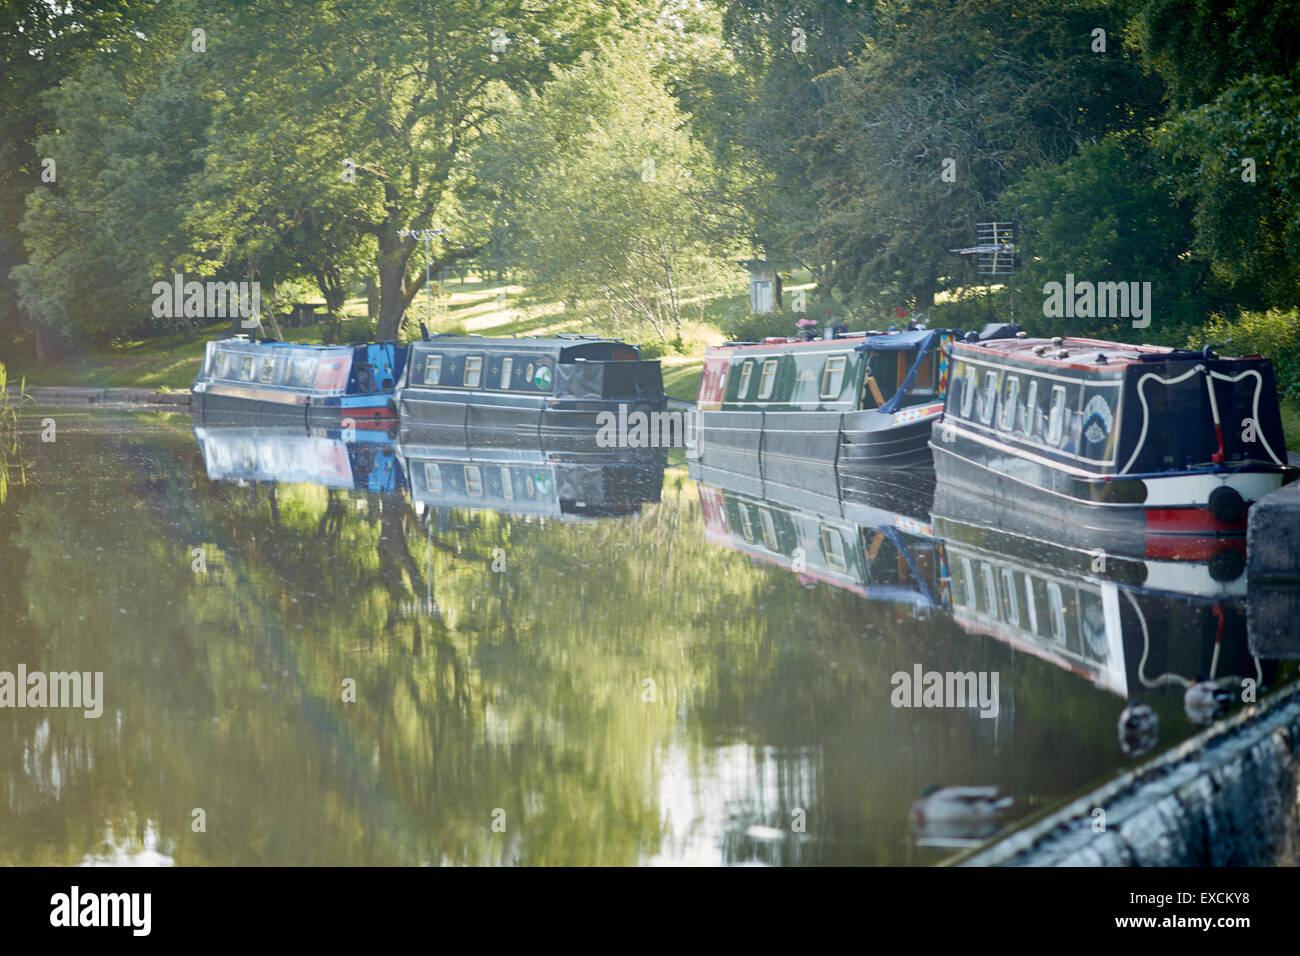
{"x":325,"y":652}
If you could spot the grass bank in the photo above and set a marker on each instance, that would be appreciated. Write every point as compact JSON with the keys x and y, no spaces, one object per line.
{"x":473,"y":305}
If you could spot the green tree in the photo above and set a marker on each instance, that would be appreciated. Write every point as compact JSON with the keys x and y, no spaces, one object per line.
{"x":602,"y":194}
{"x":1105,"y":215}
{"x":361,"y":114}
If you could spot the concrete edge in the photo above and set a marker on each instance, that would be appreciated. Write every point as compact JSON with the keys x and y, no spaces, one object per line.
{"x":60,"y":396}
{"x":1065,"y":835}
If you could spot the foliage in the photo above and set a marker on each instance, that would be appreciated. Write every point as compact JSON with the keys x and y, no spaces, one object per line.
{"x":603,"y":195}
{"x":1273,"y":334}
{"x":1103,"y":216}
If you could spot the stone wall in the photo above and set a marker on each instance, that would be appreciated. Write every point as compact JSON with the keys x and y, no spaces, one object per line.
{"x":1228,"y":797}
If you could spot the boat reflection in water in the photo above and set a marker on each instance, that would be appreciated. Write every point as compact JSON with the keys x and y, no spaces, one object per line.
{"x":361,"y":460}
{"x":1152,"y":616}
{"x":872,"y":538}
{"x":1159,"y":624}
{"x":571,"y":477}
{"x":580,"y":479}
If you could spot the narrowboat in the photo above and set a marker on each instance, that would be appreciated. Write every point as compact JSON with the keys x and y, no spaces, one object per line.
{"x":504,"y":391}
{"x":1107,"y":436}
{"x":283,"y":383}
{"x":858,"y":399}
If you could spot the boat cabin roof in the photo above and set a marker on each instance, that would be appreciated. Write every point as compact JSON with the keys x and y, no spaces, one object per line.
{"x":1086,"y":354}
{"x":568,"y":347}
{"x":895,"y":340}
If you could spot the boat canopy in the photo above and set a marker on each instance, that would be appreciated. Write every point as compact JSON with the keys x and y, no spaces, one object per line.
{"x":897,"y":341}
{"x":920,"y":339}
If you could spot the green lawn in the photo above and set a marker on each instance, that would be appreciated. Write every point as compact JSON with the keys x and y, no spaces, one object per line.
{"x":1291,"y":424}
{"x":475,"y":306}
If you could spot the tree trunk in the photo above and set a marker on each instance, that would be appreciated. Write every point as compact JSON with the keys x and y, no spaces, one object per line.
{"x":393,"y":255}
{"x":44,"y":354}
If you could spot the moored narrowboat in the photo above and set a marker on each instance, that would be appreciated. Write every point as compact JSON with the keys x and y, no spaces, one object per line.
{"x":859,"y":399}
{"x":1112,"y":436}
{"x":519,"y":388}
{"x":286,"y":383}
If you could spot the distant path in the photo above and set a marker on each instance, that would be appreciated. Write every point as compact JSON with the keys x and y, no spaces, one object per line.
{"x":70,"y":396}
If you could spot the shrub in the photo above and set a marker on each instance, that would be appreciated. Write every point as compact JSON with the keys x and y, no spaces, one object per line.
{"x":1273,"y":334}
{"x":754,"y":328}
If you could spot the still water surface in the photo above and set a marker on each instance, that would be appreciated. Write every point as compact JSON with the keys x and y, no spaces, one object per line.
{"x":573,"y":663}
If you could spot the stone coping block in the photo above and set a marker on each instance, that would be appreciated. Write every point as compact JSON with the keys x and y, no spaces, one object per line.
{"x":1226,"y":797}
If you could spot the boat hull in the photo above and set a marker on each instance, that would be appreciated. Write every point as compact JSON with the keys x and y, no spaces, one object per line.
{"x":1172,"y":504}
{"x":254,"y":406}
{"x":859,"y":439}
{"x":488,"y":420}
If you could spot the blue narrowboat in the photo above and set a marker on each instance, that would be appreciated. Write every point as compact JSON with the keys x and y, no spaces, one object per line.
{"x":1112,"y":436}
{"x":859,"y":399}
{"x":507,"y":391}
{"x":279,"y":382}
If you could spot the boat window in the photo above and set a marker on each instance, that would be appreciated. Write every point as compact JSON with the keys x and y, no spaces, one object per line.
{"x":968,"y":392}
{"x":833,"y":548}
{"x":266,"y":373}
{"x":246,"y":368}
{"x":474,"y":481}
{"x":967,"y":582}
{"x":507,"y":484}
{"x":332,"y":374}
{"x":746,"y":372}
{"x":769,"y":529}
{"x":507,"y":368}
{"x":432,"y":369}
{"x":302,"y":372}
{"x":1056,"y":602}
{"x":833,"y":377}
{"x":990,"y":589}
{"x":219,"y":365}
{"x":1007,"y":420}
{"x":1010,"y":597}
{"x":1031,"y":605}
{"x":1031,"y":409}
{"x":1056,"y":419}
{"x":989,"y":397}
{"x":473,"y":371}
{"x":433,"y":478}
{"x":768,"y":379}
{"x":746,"y":525}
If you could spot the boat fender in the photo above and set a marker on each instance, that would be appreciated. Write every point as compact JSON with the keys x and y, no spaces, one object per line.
{"x":1226,"y":504}
{"x":1226,"y":565}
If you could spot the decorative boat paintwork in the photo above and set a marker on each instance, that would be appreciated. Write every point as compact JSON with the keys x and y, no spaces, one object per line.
{"x":1111,"y":437}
